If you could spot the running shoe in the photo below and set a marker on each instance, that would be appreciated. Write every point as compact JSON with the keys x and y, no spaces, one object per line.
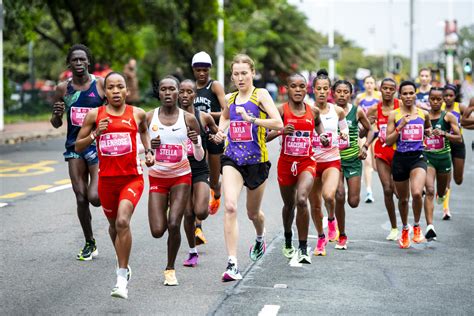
{"x":231,"y":273}
{"x":120,"y":290}
{"x":333,"y":231}
{"x":369,"y":198}
{"x":199,"y":235}
{"x":256,"y":251}
{"x":192,"y":260}
{"x":303,"y":256}
{"x":321,"y":246}
{"x":430,"y":233}
{"x":129,"y":270}
{"x":393,"y":235}
{"x":404,"y":241}
{"x":417,"y":235}
{"x":88,"y":252}
{"x":440,"y":199}
{"x":342,"y":243}
{"x":288,"y":252}
{"x":214,"y":203}
{"x":446,"y":215}
{"x":170,"y":278}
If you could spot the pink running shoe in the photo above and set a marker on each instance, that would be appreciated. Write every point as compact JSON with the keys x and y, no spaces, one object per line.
{"x":342,"y":243}
{"x":192,"y":261}
{"x":333,"y":231}
{"x":321,"y":246}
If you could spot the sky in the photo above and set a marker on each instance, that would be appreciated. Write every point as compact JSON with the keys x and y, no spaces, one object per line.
{"x":367,"y":22}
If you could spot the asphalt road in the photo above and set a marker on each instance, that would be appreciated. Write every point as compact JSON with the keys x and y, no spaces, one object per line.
{"x":40,"y":236}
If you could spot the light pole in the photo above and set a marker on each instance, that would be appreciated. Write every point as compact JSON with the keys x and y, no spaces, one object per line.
{"x":331,"y":64}
{"x":220,"y":44}
{"x":1,"y":67}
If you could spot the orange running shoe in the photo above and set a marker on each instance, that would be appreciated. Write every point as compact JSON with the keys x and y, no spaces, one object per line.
{"x":417,"y":235}
{"x":404,"y":241}
{"x":214,"y":204}
{"x":199,"y":235}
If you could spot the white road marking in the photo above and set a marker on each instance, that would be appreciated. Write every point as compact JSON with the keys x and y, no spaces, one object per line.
{"x":59,"y":188}
{"x":269,"y":310}
{"x":3,"y":204}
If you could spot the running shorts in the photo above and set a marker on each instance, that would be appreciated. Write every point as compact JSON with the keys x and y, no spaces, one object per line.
{"x":214,"y":149}
{"x":440,"y":162}
{"x":458,"y":150}
{"x":164,"y":185}
{"x":253,"y":175}
{"x":201,"y":177}
{"x":321,"y":166}
{"x":112,"y":190}
{"x":89,"y":155}
{"x":385,"y":153}
{"x":289,"y":171}
{"x":404,"y":163}
{"x":351,"y":167}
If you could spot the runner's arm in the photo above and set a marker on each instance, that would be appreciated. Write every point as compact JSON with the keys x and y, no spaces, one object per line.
{"x":455,"y":135}
{"x":195,"y":135}
{"x":273,"y":133}
{"x":86,"y":136}
{"x":220,"y":94}
{"x":274,"y":121}
{"x":58,"y":105}
{"x":392,"y":132}
{"x":362,"y":118}
{"x":141,"y":117}
{"x":210,"y":123}
{"x":467,"y":120}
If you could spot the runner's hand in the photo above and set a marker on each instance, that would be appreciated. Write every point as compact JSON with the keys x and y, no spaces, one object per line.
{"x":219,"y":137}
{"x":193,"y":136}
{"x":404,"y":121}
{"x":343,"y":136}
{"x":149,"y":159}
{"x":438,"y":132}
{"x":103,"y":125}
{"x":155,"y":142}
{"x":288,"y":129}
{"x":324,"y":139}
{"x":241,"y":111}
{"x":363,"y":153}
{"x":58,"y":108}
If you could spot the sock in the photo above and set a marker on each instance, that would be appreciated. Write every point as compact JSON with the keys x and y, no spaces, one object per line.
{"x":406,"y":226}
{"x":288,"y":237}
{"x":331,"y":219}
{"x":446,"y":202}
{"x":342,"y":234}
{"x":199,"y":226}
{"x":303,"y":244}
{"x":232,"y":259}
{"x":193,"y":250}
{"x":321,"y":235}
{"x":369,"y":190}
{"x":259,"y":238}
{"x":121,"y":272}
{"x":416,"y":224}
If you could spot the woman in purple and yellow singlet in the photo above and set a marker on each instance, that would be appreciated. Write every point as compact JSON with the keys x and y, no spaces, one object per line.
{"x":406,"y":131}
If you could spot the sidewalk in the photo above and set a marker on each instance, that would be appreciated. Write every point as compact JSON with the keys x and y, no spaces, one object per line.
{"x":27,"y":131}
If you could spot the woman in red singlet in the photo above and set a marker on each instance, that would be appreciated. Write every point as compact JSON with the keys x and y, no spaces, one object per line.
{"x":115,"y":126}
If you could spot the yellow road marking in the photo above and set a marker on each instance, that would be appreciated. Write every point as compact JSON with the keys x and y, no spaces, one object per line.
{"x":12,"y":195}
{"x":10,"y":169}
{"x":40,"y":187}
{"x":64,"y":181}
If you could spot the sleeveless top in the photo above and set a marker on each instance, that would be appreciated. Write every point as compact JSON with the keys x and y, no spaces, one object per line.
{"x":78,"y":104}
{"x":423,"y":97}
{"x":245,"y":143}
{"x":456,"y":110}
{"x":206,"y":100}
{"x":365,"y":103}
{"x":298,"y":144}
{"x":117,"y":146}
{"x":195,"y":164}
{"x":330,"y":122}
{"x":171,"y":158}
{"x":438,"y":144}
{"x":382,"y":121}
{"x":349,"y":148}
{"x":411,"y":136}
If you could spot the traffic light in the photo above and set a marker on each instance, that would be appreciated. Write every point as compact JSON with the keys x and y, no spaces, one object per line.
{"x":467,"y":65}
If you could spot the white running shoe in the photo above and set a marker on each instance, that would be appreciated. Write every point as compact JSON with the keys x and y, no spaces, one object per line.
{"x":120,"y":290}
{"x":393,"y":235}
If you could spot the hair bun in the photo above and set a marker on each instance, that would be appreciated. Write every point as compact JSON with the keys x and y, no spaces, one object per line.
{"x":323,"y":72}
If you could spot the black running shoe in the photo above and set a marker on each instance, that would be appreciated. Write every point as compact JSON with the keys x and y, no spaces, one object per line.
{"x":88,"y":252}
{"x":430,"y":233}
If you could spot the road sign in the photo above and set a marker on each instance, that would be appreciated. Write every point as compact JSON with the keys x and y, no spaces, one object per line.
{"x":467,"y":65}
{"x":327,"y":52}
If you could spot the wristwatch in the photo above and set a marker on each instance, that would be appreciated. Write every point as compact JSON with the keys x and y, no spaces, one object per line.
{"x":252,"y":120}
{"x":149,"y":150}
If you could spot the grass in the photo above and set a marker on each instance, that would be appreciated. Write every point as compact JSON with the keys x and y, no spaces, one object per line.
{"x":19,"y":118}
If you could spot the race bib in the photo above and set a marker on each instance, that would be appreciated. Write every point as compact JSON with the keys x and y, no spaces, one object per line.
{"x":412,"y":133}
{"x":383,"y":133}
{"x":297,"y":146}
{"x":189,"y":147}
{"x":169,"y":153}
{"x":316,"y":143}
{"x":115,"y":144}
{"x":78,"y":115}
{"x":343,"y":143}
{"x":240,"y":131}
{"x":434,"y":143}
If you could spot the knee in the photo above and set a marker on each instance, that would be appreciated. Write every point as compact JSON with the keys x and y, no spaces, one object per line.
{"x":458,"y":180}
{"x":230,"y":207}
{"x":157,"y":232}
{"x":329,"y":198}
{"x":81,"y":198}
{"x":122,"y":224}
{"x":94,"y":200}
{"x":387,"y":191}
{"x":253,"y":215}
{"x":340,"y":196}
{"x":403,"y":202}
{"x":301,"y":202}
{"x":429,"y":192}
{"x":417,"y":195}
{"x":173,"y":227}
{"x":354,"y":201}
{"x":203,"y":214}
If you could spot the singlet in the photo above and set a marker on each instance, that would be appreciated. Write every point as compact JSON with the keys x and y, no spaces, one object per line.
{"x":297,"y":145}
{"x":365,"y":103}
{"x":456,"y":110}
{"x":117,"y":146}
{"x":330,"y":122}
{"x":382,"y":121}
{"x":171,"y":158}
{"x":195,"y":164}
{"x":245,"y":143}
{"x":78,"y":104}
{"x":438,"y":144}
{"x":411,"y":136}
{"x":423,"y":97}
{"x":206,"y":100}
{"x":349,"y":148}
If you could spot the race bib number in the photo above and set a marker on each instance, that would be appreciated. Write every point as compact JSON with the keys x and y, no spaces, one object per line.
{"x":343,"y":143}
{"x":297,"y":146}
{"x":169,"y":153}
{"x":240,"y":131}
{"x":434,"y":143}
{"x":383,"y":133}
{"x":412,"y":133}
{"x":317,"y":142}
{"x":189,"y":147}
{"x":78,"y":115}
{"x":115,"y":144}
